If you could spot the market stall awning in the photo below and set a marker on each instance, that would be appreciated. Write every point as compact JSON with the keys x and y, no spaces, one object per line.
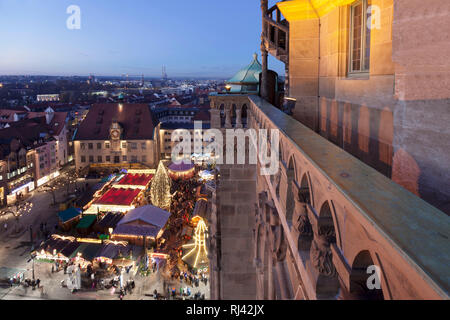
{"x":147,"y":214}
{"x":69,"y":214}
{"x":181,"y":167}
{"x":87,"y":251}
{"x":110,"y":220}
{"x":86,"y":221}
{"x":69,"y":249}
{"x":54,"y":245}
{"x":138,"y":231}
{"x":118,"y":196}
{"x":114,"y":251}
{"x":136,"y":179}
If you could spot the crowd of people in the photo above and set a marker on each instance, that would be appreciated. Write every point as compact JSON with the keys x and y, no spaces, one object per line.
{"x":182,"y":207}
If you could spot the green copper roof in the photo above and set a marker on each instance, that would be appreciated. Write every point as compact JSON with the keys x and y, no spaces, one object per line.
{"x":249,"y":74}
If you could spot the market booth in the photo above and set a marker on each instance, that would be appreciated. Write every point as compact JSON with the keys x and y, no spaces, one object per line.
{"x":69,"y":249}
{"x":51,"y":249}
{"x":134,"y":181}
{"x":181,"y":171}
{"x":84,"y":226}
{"x":114,"y":252}
{"x":115,"y":199}
{"x":141,"y":225}
{"x":108,"y":222}
{"x":68,"y":218}
{"x":85,"y":254}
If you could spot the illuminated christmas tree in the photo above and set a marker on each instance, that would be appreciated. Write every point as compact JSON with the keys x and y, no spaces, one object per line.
{"x":160,"y":189}
{"x":198,"y":256}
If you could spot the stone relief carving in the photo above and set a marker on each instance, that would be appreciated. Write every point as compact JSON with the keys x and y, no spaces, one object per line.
{"x":304,"y":227}
{"x":321,"y":256}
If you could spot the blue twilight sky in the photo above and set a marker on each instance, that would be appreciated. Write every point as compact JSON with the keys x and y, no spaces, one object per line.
{"x":198,"y":38}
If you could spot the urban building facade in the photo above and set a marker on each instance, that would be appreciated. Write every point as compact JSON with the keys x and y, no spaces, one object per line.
{"x":28,"y":160}
{"x":363,"y":81}
{"x":117,"y":134}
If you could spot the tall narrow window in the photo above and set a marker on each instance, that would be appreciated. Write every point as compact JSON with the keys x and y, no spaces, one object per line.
{"x":359,"y":55}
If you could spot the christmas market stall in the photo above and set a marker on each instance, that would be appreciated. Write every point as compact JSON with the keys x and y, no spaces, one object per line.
{"x":115,"y":199}
{"x":141,"y":225}
{"x":68,"y":250}
{"x":68,"y":218}
{"x":134,"y":181}
{"x":113,"y":251}
{"x":84,"y":227}
{"x":107,"y":222}
{"x":181,"y":171}
{"x":51,"y":248}
{"x":85,"y":254}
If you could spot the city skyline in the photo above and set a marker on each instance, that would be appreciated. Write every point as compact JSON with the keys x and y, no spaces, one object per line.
{"x":115,"y":39}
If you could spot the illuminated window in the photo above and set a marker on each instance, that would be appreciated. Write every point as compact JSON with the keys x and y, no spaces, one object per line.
{"x":124,"y":145}
{"x":107,"y":145}
{"x":359,"y":54}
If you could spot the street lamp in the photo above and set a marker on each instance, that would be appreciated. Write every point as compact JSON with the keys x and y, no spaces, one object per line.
{"x":228,"y":88}
{"x":33,"y":256}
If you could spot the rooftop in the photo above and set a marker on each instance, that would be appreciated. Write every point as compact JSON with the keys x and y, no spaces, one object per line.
{"x":147,"y":214}
{"x":249,"y":74}
{"x":136,"y":179}
{"x":118,"y":196}
{"x":135,"y":120}
{"x":68,"y":214}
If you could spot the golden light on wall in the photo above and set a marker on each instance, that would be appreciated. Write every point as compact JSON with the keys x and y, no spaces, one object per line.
{"x":309,"y":9}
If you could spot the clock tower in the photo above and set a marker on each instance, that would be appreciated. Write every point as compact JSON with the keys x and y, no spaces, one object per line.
{"x":115,"y":131}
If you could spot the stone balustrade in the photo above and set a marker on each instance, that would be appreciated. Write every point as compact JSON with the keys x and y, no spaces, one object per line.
{"x":319,"y":226}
